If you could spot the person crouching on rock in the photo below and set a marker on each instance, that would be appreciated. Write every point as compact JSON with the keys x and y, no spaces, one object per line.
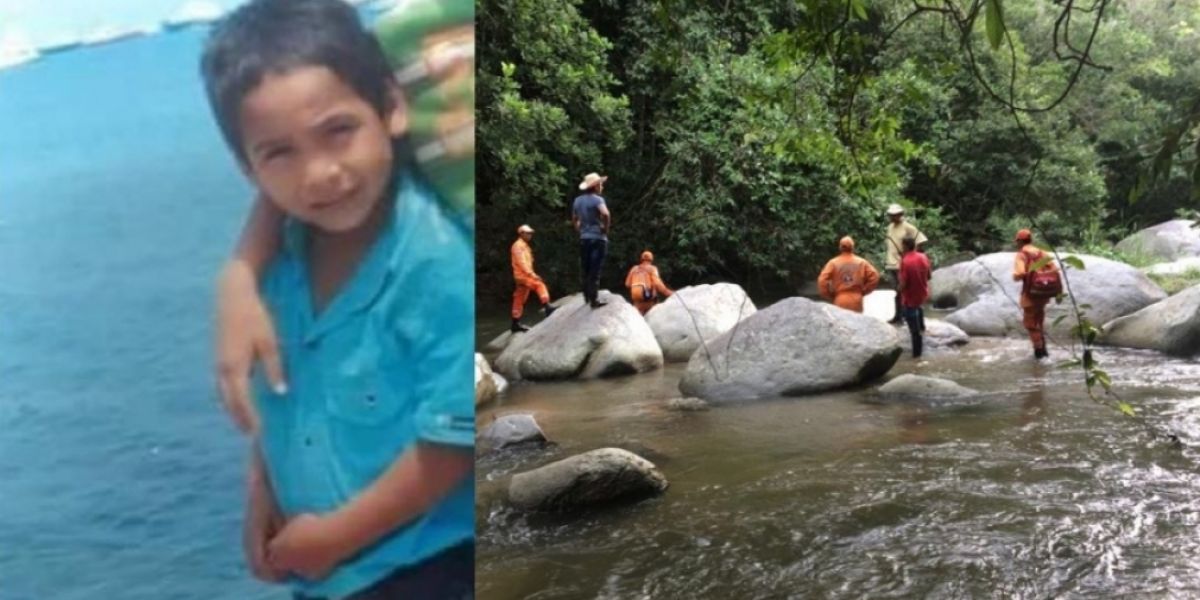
{"x":913,"y":291}
{"x":1038,"y":286}
{"x":645,"y":286}
{"x":846,"y":278}
{"x":526,"y":279}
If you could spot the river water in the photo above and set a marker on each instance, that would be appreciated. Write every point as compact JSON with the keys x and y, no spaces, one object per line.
{"x":1029,"y":491}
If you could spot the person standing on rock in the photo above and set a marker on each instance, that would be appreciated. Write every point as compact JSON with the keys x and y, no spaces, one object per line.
{"x":913,"y":289}
{"x":847,"y":277}
{"x":591,"y":219}
{"x":897,"y":230}
{"x":526,"y":279}
{"x":645,"y":286}
{"x":1033,"y":282}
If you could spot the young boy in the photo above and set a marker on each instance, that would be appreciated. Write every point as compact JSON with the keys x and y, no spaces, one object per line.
{"x":360,"y":477}
{"x":914,"y":275}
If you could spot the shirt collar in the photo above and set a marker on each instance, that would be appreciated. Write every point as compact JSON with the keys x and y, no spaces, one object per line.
{"x":370,"y":276}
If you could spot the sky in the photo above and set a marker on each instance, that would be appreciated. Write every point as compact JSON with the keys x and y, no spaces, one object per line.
{"x":26,"y":24}
{"x":42,"y":22}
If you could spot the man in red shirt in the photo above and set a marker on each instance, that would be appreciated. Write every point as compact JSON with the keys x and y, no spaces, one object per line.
{"x":915,"y":272}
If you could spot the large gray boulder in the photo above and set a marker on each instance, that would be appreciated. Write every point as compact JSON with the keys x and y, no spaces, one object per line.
{"x":697,"y":314}
{"x":793,"y":347}
{"x":486,"y":389}
{"x":577,"y":341}
{"x":1176,"y":267}
{"x":920,"y":386}
{"x":511,"y":430}
{"x":1168,"y":241}
{"x":987,"y":297}
{"x":586,"y":480}
{"x":1171,"y":326}
{"x":500,"y":342}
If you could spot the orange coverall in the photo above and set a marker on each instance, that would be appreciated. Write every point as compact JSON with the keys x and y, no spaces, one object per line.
{"x":846,"y":279}
{"x":643,"y":277}
{"x":1034,"y":308}
{"x":527,"y":281}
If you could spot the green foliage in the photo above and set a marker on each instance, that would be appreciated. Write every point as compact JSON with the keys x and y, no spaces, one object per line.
{"x":744,"y":137}
{"x":1173,"y":284}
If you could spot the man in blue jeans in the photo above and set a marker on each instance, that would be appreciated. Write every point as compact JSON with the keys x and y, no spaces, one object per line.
{"x":591,"y":219}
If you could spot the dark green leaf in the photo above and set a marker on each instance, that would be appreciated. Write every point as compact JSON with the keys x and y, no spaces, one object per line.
{"x":1074,"y":262}
{"x":995,"y":24}
{"x":859,"y":9}
{"x":1139,"y":187}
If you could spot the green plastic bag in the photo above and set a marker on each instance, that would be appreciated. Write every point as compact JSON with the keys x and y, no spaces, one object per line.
{"x":431,"y":46}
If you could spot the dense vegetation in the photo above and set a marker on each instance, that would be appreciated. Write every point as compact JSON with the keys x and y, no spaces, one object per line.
{"x":743,"y":137}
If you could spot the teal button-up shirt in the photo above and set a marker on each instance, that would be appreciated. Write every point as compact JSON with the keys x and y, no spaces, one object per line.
{"x":388,"y":363}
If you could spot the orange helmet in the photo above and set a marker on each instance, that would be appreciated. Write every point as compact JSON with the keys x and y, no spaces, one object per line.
{"x":1024,"y":235}
{"x":846,"y":244}
{"x":647,"y":256}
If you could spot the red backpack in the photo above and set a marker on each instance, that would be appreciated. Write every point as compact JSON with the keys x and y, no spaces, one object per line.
{"x":1044,"y":283}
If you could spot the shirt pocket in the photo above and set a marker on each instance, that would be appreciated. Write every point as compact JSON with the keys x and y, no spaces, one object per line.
{"x":365,"y":384}
{"x":364,"y":401}
{"x":370,"y":423}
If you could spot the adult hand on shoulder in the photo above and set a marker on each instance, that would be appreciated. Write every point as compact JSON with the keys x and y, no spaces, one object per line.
{"x":244,"y":334}
{"x":309,"y":546}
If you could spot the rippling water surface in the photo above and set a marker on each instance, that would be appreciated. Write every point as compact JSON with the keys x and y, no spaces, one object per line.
{"x":1031,"y":491}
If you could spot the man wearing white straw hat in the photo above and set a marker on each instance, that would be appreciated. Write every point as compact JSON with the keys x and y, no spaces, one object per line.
{"x":591,"y":219}
{"x":897,"y":230}
{"x":526,"y":279}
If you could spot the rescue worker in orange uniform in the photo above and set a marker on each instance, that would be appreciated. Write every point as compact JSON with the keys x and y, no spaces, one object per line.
{"x":847,"y":278}
{"x":526,"y":279}
{"x":1034,"y":308}
{"x":645,"y":286}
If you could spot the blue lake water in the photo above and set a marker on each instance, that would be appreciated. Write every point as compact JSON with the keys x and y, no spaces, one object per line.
{"x":120,"y":476}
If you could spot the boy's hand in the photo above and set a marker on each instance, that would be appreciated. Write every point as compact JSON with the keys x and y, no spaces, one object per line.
{"x":244,"y":332}
{"x":309,"y":546}
{"x":263,"y":520}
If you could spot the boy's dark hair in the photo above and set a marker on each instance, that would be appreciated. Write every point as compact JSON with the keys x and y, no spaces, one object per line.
{"x":909,"y":244}
{"x":272,"y":36}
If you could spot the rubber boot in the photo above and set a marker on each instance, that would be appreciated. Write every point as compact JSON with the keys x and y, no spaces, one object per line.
{"x":897,"y":316}
{"x":517,"y":327}
{"x":547,"y":309}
